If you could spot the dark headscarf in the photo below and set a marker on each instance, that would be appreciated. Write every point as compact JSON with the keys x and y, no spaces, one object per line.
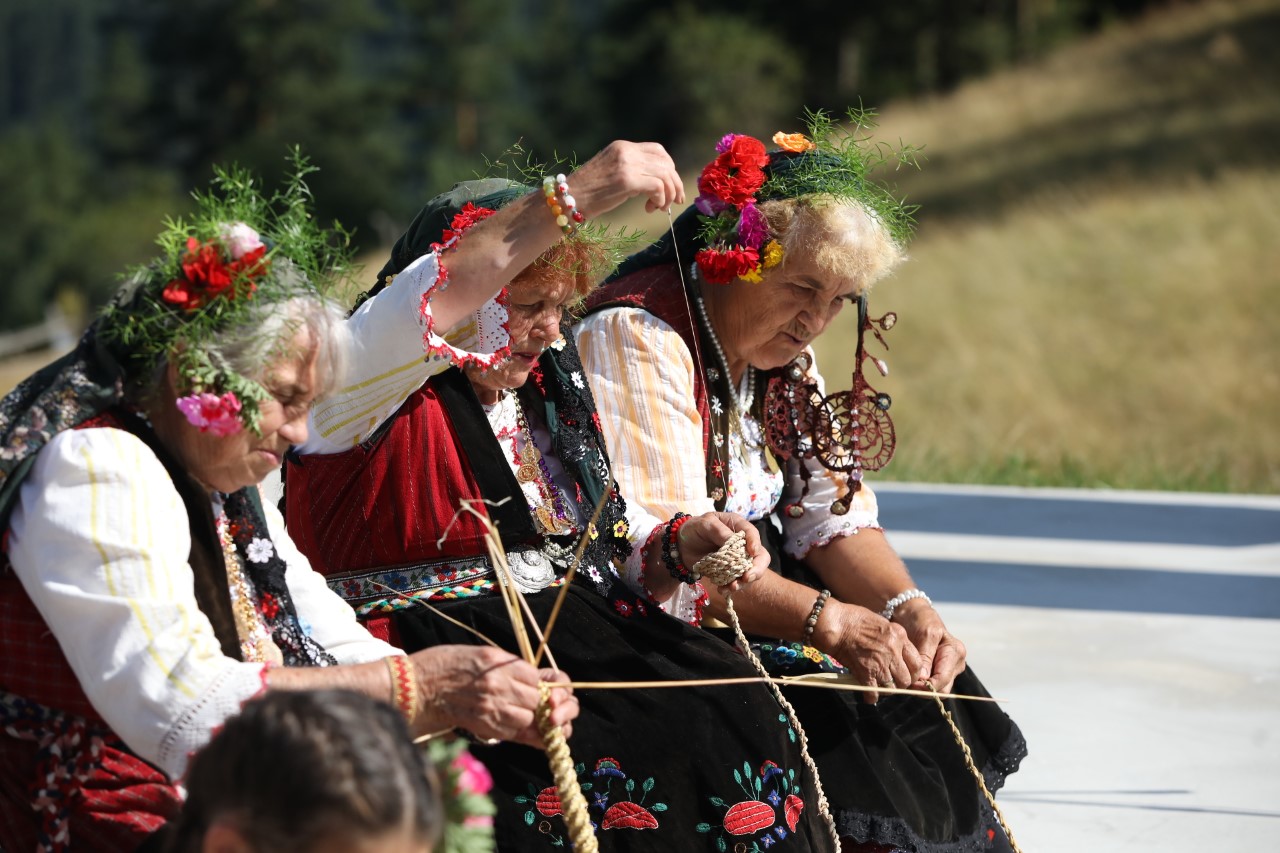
{"x":436,"y":217}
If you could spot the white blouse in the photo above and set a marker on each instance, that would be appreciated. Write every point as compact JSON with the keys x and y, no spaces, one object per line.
{"x":642,"y":373}
{"x":100,"y":539}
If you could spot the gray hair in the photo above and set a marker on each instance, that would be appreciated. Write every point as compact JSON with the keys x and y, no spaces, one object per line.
{"x":842,"y":237}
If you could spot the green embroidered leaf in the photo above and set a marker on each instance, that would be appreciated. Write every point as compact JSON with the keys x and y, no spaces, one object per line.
{"x":721,"y":845}
{"x":631,"y":785}
{"x":528,"y":818}
{"x":648,"y":784}
{"x":658,"y":807}
{"x":737,"y":777}
{"x":703,"y":827}
{"x":716,"y":801}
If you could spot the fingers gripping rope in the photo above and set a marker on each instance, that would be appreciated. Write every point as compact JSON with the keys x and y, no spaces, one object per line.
{"x":727,"y":564}
{"x":571,"y":799}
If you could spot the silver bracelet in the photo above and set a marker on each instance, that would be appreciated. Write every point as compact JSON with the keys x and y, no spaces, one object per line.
{"x":901,"y":599}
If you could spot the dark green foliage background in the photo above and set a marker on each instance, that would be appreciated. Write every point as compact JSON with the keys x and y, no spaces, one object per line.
{"x":110,"y":110}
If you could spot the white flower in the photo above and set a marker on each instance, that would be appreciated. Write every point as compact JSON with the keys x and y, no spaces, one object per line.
{"x":241,"y":240}
{"x":260,"y":550}
{"x":716,"y":407}
{"x":577,"y":379}
{"x":559,"y":343}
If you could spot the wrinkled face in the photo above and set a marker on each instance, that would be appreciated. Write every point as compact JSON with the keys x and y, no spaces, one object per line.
{"x":767,"y":324}
{"x":229,"y":463}
{"x":538,"y":299}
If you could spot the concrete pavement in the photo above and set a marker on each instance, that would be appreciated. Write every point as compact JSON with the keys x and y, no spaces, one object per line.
{"x":1135,"y":637}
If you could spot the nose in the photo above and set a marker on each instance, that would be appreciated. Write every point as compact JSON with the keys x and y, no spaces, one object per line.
{"x":294,"y":430}
{"x":547,"y":326}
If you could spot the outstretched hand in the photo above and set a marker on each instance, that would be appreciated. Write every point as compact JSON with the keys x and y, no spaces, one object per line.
{"x":623,"y":170}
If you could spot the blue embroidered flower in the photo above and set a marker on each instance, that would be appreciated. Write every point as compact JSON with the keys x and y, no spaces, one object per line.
{"x":766,"y":841}
{"x":774,"y":798}
{"x":398,"y":580}
{"x":781,"y":831}
{"x":600,"y":800}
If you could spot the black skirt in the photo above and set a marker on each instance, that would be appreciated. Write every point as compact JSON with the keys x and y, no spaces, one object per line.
{"x":893,"y":771}
{"x":662,"y":769}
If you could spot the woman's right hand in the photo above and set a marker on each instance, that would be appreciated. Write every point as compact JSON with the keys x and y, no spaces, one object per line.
{"x":623,"y":170}
{"x":877,"y":651}
{"x":489,"y":692}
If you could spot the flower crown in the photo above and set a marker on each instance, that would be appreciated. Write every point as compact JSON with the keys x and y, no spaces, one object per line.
{"x":215,"y":270}
{"x":829,"y":161}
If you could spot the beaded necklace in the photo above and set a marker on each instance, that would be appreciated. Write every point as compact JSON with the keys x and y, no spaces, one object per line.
{"x":255,"y":642}
{"x":546,"y":502}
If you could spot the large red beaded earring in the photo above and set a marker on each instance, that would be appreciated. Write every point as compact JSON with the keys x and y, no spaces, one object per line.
{"x":849,"y":431}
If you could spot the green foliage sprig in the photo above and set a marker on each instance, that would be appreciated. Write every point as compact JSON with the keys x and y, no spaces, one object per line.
{"x":144,"y":326}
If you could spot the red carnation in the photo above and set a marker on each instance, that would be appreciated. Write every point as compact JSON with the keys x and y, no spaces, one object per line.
{"x":203,"y":267}
{"x":732,"y":184}
{"x":745,"y":152}
{"x":721,"y":266}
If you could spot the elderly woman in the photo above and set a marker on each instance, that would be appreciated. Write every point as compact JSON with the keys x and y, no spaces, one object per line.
{"x":699,"y":353}
{"x":499,"y":411}
{"x":146,"y":592}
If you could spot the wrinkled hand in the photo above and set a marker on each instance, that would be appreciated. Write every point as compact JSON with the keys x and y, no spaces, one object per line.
{"x":943,"y":655}
{"x":623,"y":170}
{"x":878,"y":652}
{"x":704,"y":534}
{"x":489,"y":692}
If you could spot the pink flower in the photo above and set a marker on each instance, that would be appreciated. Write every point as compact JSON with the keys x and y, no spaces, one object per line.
{"x":211,"y":413}
{"x":752,"y":230}
{"x":473,"y":777}
{"x":240,"y":240}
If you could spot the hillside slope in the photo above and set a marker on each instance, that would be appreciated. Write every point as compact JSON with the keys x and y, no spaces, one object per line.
{"x":1094,"y":291}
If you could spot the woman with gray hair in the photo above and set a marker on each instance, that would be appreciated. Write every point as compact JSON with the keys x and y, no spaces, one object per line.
{"x":146,"y":590}
{"x":698,"y":352}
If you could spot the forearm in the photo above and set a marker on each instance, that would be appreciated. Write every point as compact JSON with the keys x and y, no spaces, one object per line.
{"x":490,"y":254}
{"x":862,"y":569}
{"x":773,"y":606}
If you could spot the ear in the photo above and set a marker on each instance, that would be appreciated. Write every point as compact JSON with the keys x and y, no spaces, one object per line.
{"x":223,"y":837}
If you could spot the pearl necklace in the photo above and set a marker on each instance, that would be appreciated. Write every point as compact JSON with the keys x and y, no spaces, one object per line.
{"x":742,"y":401}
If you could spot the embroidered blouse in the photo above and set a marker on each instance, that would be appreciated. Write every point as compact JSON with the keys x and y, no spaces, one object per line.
{"x":641,"y":371}
{"x":94,"y":542}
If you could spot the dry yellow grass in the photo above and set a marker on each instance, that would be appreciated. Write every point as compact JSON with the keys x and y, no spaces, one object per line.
{"x":1122,"y":340}
{"x":1094,"y":292}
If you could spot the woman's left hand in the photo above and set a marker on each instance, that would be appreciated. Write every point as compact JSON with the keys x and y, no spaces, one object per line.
{"x":943,"y":654}
{"x":704,"y":534}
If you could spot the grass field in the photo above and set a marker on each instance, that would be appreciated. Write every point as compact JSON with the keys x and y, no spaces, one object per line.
{"x":1093,"y":297}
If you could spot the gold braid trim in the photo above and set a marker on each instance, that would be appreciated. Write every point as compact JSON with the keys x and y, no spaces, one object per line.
{"x":571,"y":800}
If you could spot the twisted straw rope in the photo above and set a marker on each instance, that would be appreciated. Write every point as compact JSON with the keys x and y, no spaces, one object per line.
{"x":571,"y":800}
{"x":973,"y":768}
{"x":721,"y":567}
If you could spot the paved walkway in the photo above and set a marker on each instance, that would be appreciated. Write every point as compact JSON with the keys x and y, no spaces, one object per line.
{"x":1135,"y":637}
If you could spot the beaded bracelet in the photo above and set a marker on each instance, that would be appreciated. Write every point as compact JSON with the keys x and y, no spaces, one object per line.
{"x":901,"y":599}
{"x":812,"y":621}
{"x":671,"y":553}
{"x":562,"y":205}
{"x":404,"y":688}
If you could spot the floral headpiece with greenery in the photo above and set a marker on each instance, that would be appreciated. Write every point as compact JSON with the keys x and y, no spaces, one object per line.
{"x":832,"y":160}
{"x":239,"y":251}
